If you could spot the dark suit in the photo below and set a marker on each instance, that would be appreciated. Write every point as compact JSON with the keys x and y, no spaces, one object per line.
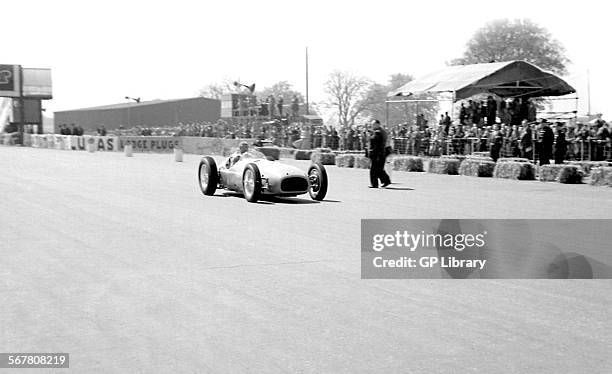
{"x":526,"y":145}
{"x":547,"y":138}
{"x":497,"y":141}
{"x":378,"y":156}
{"x":560,"y":148}
{"x":491,"y":111}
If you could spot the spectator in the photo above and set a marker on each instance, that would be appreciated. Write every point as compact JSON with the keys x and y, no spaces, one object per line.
{"x":526,"y":142}
{"x":532,"y":111}
{"x":272,"y":108}
{"x":497,"y":140}
{"x":462,"y":115}
{"x":476,"y":112}
{"x":377,"y":153}
{"x":560,"y":144}
{"x":280,"y":105}
{"x":547,"y":139}
{"x":491,"y":110}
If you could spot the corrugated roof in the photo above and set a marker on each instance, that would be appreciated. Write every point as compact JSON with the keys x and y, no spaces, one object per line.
{"x":132,"y":104}
{"x":505,"y":79}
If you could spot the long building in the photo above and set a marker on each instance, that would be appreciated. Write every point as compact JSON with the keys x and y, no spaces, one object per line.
{"x":154,"y":113}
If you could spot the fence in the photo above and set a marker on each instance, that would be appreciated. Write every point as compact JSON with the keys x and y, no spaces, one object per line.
{"x":583,"y":150}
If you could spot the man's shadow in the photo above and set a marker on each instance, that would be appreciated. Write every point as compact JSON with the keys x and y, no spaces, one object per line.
{"x":396,"y":187}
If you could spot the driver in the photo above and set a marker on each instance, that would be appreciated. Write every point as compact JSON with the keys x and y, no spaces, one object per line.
{"x":243,"y":148}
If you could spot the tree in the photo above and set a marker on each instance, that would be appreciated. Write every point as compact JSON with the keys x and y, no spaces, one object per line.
{"x":216,"y":90}
{"x":397,"y":80}
{"x":376,"y":108}
{"x":282,"y":88}
{"x":520,"y":39}
{"x":348,"y":95}
{"x":377,"y":95}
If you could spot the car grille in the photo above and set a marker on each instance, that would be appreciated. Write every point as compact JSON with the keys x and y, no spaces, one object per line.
{"x":294,"y":184}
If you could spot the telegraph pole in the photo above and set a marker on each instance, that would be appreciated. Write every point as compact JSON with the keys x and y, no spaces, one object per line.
{"x":589,"y":91}
{"x":21,"y":106}
{"x":307,"y":102}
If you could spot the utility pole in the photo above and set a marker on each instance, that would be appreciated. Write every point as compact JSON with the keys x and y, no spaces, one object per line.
{"x":21,"y":106}
{"x":589,"y":92}
{"x":307,"y":102}
{"x":137,"y":101}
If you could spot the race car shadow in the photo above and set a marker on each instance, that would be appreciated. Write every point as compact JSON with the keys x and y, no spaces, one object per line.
{"x":289,"y":200}
{"x":272,"y":199}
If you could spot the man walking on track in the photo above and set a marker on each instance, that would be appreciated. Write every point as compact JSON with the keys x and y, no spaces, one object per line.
{"x":377,"y":153}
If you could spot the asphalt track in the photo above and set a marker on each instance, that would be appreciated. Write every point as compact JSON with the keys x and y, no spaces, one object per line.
{"x":124,"y":264}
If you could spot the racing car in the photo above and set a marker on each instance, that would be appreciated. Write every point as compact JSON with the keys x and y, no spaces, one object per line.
{"x":254,"y":176}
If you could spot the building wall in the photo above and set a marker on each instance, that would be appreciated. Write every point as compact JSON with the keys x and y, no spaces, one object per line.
{"x":163,"y":113}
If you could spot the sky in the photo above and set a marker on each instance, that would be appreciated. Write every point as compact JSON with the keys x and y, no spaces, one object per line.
{"x":102,"y":51}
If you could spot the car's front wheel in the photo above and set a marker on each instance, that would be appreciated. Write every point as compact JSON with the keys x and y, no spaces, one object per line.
{"x":317,"y":181}
{"x":251,"y":183}
{"x":208,"y":177}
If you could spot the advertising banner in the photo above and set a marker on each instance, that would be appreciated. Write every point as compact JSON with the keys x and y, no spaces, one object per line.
{"x":9,"y":81}
{"x":49,"y":141}
{"x":156,"y":144}
{"x":101,"y":143}
{"x":62,"y":142}
{"x":75,"y":143}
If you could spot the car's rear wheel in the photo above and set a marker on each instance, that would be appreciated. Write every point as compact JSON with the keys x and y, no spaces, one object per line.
{"x":317,"y":181}
{"x":208,"y":177}
{"x":251,"y":183}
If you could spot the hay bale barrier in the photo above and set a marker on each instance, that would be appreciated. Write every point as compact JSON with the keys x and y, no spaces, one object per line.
{"x":273,"y":152}
{"x":362,"y":162}
{"x":512,"y":159}
{"x":514,"y":170}
{"x":444,"y":165}
{"x":477,"y":167}
{"x":323,"y":158}
{"x":601,"y":176}
{"x":456,"y":157}
{"x":407,"y":163}
{"x":479,"y":158}
{"x":568,"y":174}
{"x":587,"y":166}
{"x":302,"y":154}
{"x":480,"y":154}
{"x":345,"y":160}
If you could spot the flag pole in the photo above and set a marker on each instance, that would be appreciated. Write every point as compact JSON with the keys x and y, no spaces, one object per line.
{"x":307,"y":102}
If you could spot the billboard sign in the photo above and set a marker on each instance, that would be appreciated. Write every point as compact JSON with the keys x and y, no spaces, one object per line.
{"x":9,"y":81}
{"x":37,"y":83}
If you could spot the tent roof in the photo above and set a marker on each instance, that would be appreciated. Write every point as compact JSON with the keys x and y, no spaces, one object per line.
{"x":504,"y":79}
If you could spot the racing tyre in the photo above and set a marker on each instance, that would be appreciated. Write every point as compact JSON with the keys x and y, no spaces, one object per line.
{"x":208,"y":177}
{"x":317,"y":179}
{"x":251,"y":183}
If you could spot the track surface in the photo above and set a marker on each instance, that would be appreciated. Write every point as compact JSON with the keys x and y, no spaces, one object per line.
{"x":124,"y":264}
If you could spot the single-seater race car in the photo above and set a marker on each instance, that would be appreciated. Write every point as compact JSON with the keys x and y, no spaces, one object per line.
{"x":254,"y":176}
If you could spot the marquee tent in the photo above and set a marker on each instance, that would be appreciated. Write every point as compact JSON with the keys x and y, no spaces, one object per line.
{"x":504,"y":79}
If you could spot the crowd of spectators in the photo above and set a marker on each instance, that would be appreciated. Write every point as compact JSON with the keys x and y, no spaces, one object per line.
{"x":70,"y":130}
{"x":501,"y":128}
{"x":504,"y":129}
